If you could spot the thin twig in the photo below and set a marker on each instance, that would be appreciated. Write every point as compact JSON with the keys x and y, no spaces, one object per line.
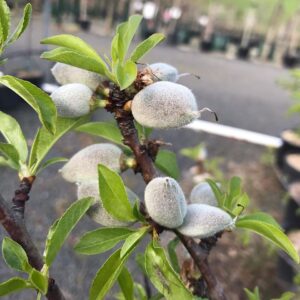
{"x":15,"y":227}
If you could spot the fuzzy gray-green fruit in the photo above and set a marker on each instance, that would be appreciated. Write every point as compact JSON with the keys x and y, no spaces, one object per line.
{"x":165,"y":202}
{"x":72,"y":100}
{"x":165,"y":105}
{"x":203,"y":194}
{"x":65,"y":74}
{"x":83,"y":166}
{"x":97,"y":212}
{"x":164,"y":72}
{"x":202,"y":221}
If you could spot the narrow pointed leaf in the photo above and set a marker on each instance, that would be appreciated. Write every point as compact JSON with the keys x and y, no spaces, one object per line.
{"x":126,"y":284}
{"x":126,"y":74}
{"x":113,"y":194}
{"x":61,"y":229}
{"x":105,"y":130}
{"x":11,"y":153}
{"x":39,"y":281}
{"x":50,"y":162}
{"x":13,"y":285}
{"x":133,"y":240}
{"x":162,"y":275}
{"x":101,"y":240}
{"x":44,"y":141}
{"x":4,"y":21}
{"x":144,"y":47}
{"x":76,"y":59}
{"x":23,"y":23}
{"x":14,"y":255}
{"x":36,"y":98}
{"x":13,"y":134}
{"x":107,"y":275}
{"x":166,"y":161}
{"x":126,"y":32}
{"x":270,"y":232}
{"x":73,"y":43}
{"x":173,"y":255}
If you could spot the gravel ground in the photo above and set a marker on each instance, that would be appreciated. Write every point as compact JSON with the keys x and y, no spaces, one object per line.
{"x":243,"y":94}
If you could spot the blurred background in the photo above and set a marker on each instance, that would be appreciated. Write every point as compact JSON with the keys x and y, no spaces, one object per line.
{"x":247,"y":55}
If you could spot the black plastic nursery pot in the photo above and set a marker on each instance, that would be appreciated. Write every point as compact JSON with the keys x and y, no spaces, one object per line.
{"x":206,"y":46}
{"x":243,"y":53}
{"x":85,"y":24}
{"x":290,"y":61}
{"x":290,"y":144}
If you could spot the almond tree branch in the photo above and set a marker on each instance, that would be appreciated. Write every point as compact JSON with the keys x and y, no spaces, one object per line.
{"x":116,"y":105}
{"x":15,"y":227}
{"x":200,"y":253}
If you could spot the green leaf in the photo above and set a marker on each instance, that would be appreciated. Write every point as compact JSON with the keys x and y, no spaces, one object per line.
{"x":39,"y":281}
{"x":137,"y":213}
{"x":44,"y":141}
{"x":163,"y":277}
{"x":13,"y":285}
{"x":4,"y":21}
{"x":270,"y":232}
{"x":113,"y":194}
{"x":140,"y":291}
{"x":195,"y":153}
{"x":140,"y":260}
{"x":126,"y":74}
{"x":234,"y":190}
{"x":35,"y":97}
{"x":101,"y":240}
{"x":13,"y":134}
{"x":73,"y":43}
{"x":241,"y":204}
{"x":217,"y":191}
{"x":15,"y":256}
{"x":173,"y":255}
{"x":145,"y":46}
{"x":22,"y":25}
{"x":105,"y":130}
{"x":115,"y":51}
{"x":126,"y":32}
{"x":7,"y":163}
{"x":126,"y":284}
{"x":73,"y":58}
{"x":253,"y":295}
{"x":11,"y":153}
{"x":286,"y":296}
{"x":166,"y":161}
{"x":107,"y":275}
{"x":133,"y":240}
{"x":51,"y":162}
{"x":262,"y":217}
{"x":61,"y":229}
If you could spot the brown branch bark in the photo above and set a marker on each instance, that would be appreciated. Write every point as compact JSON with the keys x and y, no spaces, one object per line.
{"x":15,"y":227}
{"x":199,"y":253}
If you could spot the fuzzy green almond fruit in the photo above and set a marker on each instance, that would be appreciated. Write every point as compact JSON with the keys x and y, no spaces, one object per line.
{"x":83,"y":166}
{"x":97,"y":212}
{"x":203,"y":194}
{"x":65,"y":74}
{"x":203,"y":221}
{"x":165,"y":105}
{"x":163,"y":72}
{"x":165,"y":202}
{"x":72,"y":100}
